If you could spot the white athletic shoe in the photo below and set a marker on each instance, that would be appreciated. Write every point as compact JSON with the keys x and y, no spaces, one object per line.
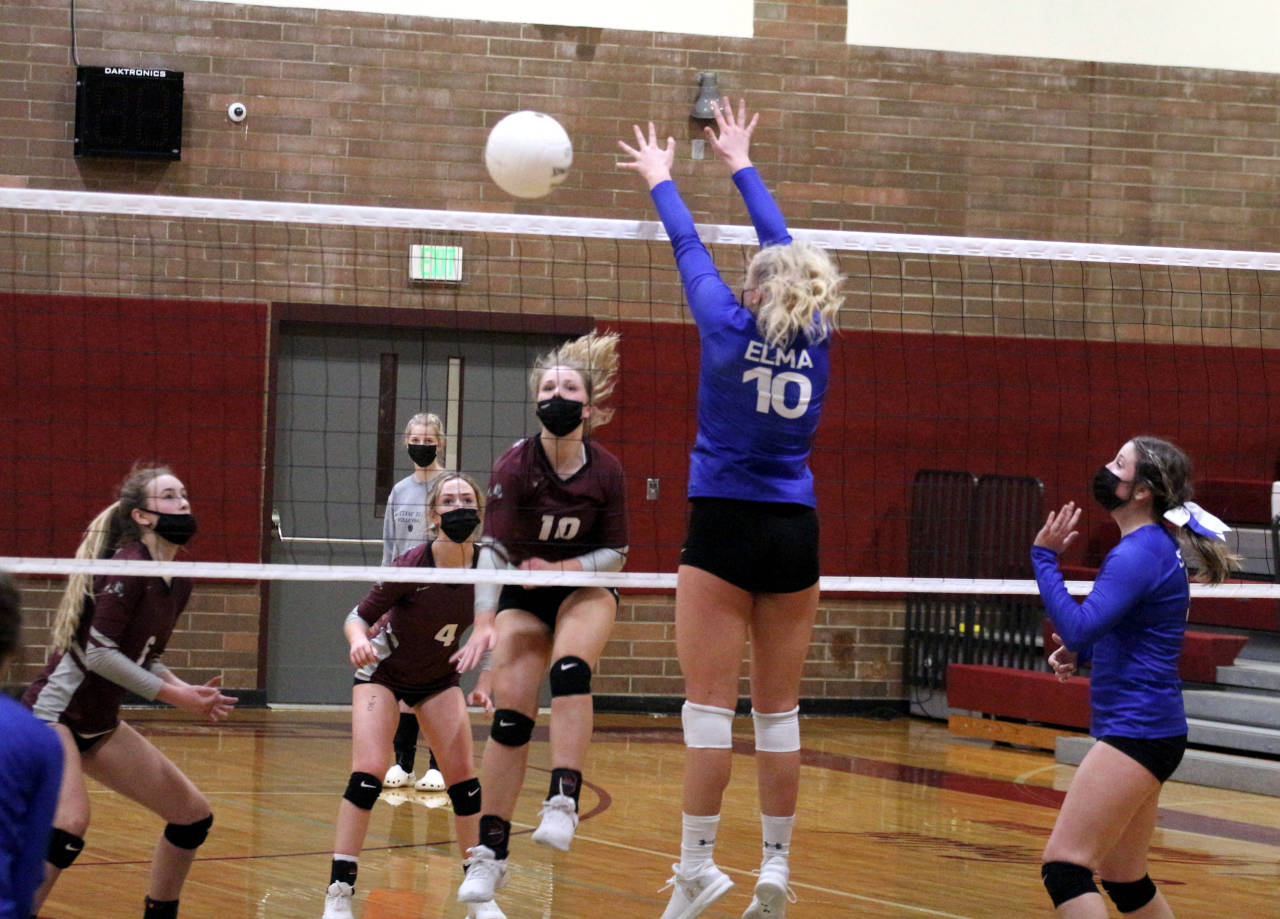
{"x":772,"y":893}
{"x":559,"y":819}
{"x":484,"y":875}
{"x":397,"y":777}
{"x":432,"y":780}
{"x":337,"y":901}
{"x":486,"y":910}
{"x":696,"y":892}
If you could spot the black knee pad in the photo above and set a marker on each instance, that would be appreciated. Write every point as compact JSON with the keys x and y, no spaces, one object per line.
{"x":188,"y":835}
{"x":465,"y":796}
{"x":64,"y":847}
{"x":570,"y":676}
{"x":1066,"y":881}
{"x":362,"y":790}
{"x":510,"y":728}
{"x":1130,"y":896}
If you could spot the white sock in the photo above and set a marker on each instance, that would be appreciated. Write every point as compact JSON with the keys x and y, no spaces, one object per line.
{"x":776,"y":833}
{"x":697,"y":841}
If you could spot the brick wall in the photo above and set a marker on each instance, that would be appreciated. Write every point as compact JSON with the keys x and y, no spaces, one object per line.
{"x":854,"y":662}
{"x":372,"y":109}
{"x":218,"y":634}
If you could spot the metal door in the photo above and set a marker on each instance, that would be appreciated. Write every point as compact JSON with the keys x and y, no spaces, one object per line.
{"x":332,"y":389}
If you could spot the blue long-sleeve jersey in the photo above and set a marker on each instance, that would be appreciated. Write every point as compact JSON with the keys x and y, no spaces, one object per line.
{"x":1131,"y":625}
{"x":758,"y":406}
{"x":30,"y":774}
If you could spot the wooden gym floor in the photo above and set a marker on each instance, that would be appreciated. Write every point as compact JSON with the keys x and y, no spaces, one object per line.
{"x":897,"y":819}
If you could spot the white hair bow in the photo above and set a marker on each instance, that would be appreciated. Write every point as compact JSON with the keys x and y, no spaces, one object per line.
{"x":1194,"y":516}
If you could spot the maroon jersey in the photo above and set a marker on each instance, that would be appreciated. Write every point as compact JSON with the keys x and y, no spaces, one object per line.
{"x":418,"y":626}
{"x":133,"y":616}
{"x":536,"y":514}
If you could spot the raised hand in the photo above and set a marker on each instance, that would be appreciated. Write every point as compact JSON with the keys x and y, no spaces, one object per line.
{"x":647,"y":158}
{"x":1059,"y":530}
{"x":732,"y":138}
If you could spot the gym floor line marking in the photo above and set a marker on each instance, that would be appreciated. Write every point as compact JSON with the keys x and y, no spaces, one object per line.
{"x":1000,"y":789}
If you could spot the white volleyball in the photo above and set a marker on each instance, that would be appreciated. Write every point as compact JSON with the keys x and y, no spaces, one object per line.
{"x":528,"y":154}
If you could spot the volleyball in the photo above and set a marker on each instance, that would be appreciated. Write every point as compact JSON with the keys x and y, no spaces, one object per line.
{"x":528,"y":154}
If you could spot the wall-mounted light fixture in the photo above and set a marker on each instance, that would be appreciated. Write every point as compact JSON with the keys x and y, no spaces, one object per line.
{"x":708,"y":93}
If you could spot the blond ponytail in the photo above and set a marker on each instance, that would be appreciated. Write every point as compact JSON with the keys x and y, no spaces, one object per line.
{"x":98,"y":542}
{"x":110,"y":530}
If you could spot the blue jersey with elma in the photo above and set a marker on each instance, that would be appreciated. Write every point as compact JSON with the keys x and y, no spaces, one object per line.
{"x":758,"y":405}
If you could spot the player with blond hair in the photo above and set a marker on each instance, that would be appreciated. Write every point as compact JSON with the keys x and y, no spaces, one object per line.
{"x":556,"y":503}
{"x":108,"y":636}
{"x":749,"y":568}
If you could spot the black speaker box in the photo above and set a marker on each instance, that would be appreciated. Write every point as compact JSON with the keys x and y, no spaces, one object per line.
{"x":130,"y":112}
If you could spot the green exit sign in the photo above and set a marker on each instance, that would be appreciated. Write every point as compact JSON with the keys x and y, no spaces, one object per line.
{"x":435,"y":263}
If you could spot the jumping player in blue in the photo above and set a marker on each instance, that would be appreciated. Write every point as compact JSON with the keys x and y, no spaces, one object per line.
{"x":1131,"y":625}
{"x":749,"y":568}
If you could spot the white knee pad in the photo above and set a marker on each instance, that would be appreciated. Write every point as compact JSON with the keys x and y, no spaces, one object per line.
{"x":778,"y":733}
{"x":707,"y":727}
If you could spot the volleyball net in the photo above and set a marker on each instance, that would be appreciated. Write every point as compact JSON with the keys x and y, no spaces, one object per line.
{"x":271,"y":353}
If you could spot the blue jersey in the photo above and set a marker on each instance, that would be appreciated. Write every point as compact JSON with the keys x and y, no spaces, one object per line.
{"x":758,"y":405}
{"x":1131,"y":625}
{"x":30,"y":773}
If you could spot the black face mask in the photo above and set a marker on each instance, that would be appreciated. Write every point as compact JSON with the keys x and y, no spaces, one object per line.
{"x":177,"y":528}
{"x":459,"y":523}
{"x":559,"y":415}
{"x":1105,"y":483}
{"x":422,"y":454}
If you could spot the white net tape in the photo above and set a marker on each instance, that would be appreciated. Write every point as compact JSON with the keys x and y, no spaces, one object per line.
{"x":62,"y":567}
{"x":535,"y":225}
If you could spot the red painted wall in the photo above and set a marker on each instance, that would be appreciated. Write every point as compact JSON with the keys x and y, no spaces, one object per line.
{"x":899,"y":402}
{"x":89,"y":385}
